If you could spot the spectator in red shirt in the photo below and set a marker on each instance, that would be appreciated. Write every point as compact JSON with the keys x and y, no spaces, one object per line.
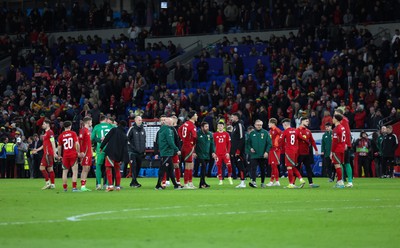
{"x":326,"y":119}
{"x":390,"y":72}
{"x":251,"y":86}
{"x":293,"y":92}
{"x":339,"y":91}
{"x":359,"y":116}
{"x":220,"y":21}
{"x":370,"y":98}
{"x":34,"y":37}
{"x":126,"y":93}
{"x":337,"y":16}
{"x":180,"y":27}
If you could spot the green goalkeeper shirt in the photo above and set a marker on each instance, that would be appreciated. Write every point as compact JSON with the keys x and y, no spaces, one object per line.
{"x":99,"y":132}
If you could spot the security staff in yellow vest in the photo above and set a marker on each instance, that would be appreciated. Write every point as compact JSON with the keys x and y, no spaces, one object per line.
{"x":3,"y":156}
{"x":12,"y":151}
{"x":20,"y":157}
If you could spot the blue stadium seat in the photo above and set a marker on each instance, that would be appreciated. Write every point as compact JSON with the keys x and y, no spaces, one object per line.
{"x":28,"y":70}
{"x":328,"y":56}
{"x":100,"y":57}
{"x":117,"y":15}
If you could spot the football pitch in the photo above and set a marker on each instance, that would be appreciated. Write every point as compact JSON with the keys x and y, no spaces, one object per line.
{"x":222,"y":216}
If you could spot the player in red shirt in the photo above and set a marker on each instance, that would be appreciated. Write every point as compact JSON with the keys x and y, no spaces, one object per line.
{"x":222,"y":142}
{"x":338,"y":148}
{"x":49,"y":154}
{"x":187,"y":133}
{"x":86,"y":153}
{"x":289,"y":142}
{"x":349,"y":171}
{"x":275,"y":152}
{"x":305,"y":154}
{"x":68,"y":141}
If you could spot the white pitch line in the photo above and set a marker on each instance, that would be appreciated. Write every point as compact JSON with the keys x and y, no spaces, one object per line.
{"x":207,"y":214}
{"x":78,"y":217}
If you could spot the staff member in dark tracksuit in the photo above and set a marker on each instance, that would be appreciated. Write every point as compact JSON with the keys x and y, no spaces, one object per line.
{"x":389,"y":146}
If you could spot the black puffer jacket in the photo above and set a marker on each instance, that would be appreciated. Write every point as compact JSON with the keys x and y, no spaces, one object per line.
{"x":117,"y":145}
{"x":137,"y":140}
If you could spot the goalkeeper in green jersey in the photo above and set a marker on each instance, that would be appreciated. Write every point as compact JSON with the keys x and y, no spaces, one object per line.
{"x":99,"y":132}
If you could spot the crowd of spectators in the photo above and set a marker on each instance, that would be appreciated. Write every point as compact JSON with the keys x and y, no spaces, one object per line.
{"x":301,"y":84}
{"x":364,"y":82}
{"x":193,"y":17}
{"x":27,"y":26}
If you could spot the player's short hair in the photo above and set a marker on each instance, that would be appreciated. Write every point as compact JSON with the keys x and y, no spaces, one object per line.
{"x":236,"y":114}
{"x":204,"y":123}
{"x":103,"y":117}
{"x":338,"y":117}
{"x":86,"y":119}
{"x":328,"y":124}
{"x":122,"y":123}
{"x":259,"y":121}
{"x":174,"y":117}
{"x":47,"y":121}
{"x":303,"y":118}
{"x":191,"y":114}
{"x":221,"y":123}
{"x":250,"y":128}
{"x":273,"y":121}
{"x":67,"y":124}
{"x":339,"y":111}
{"x":286,"y":120}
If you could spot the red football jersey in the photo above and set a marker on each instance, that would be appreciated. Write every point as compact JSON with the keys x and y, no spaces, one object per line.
{"x":47,"y":147}
{"x":305,"y":140}
{"x":339,"y":137}
{"x":68,"y":140}
{"x":222,"y":142}
{"x":85,"y":142}
{"x":187,"y":133}
{"x":275,"y":133}
{"x":345,"y":123}
{"x":289,"y":140}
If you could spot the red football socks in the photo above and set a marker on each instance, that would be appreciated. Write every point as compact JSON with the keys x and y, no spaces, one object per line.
{"x":229,"y":170}
{"x":190,"y":176}
{"x":186,"y":176}
{"x":242,"y":175}
{"x":52,"y":176}
{"x":117,"y":175}
{"x":220,"y":172}
{"x":83,"y":183}
{"x":290,"y":176}
{"x":109,"y":176}
{"x":74,"y":185}
{"x":296,"y":172}
{"x":177,"y":174}
{"x":339,"y":173}
{"x":45,"y":175}
{"x":274,"y":173}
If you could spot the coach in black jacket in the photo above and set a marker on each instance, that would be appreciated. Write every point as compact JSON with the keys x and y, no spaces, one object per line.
{"x":238,"y":138}
{"x":389,"y":146}
{"x":116,"y":152}
{"x":136,"y":149}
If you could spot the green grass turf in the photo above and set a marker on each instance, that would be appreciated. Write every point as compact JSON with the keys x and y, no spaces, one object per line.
{"x":222,"y":216}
